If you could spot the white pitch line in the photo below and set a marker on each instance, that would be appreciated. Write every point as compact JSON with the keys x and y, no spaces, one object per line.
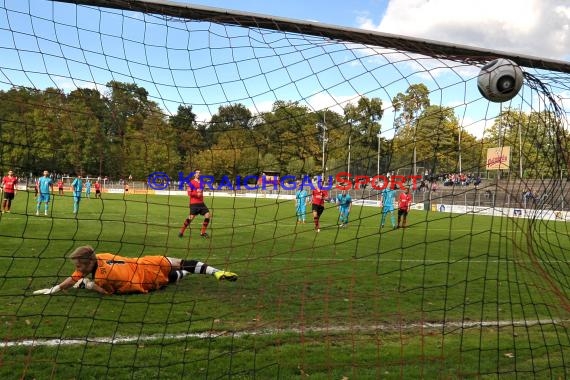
{"x":430,"y":261}
{"x":415,"y":227}
{"x":268,"y":332}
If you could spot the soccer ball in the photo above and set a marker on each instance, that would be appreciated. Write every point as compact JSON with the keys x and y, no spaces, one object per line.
{"x":500,"y":80}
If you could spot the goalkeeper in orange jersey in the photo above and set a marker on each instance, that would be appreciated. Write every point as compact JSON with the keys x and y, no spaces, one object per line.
{"x":108,"y":273}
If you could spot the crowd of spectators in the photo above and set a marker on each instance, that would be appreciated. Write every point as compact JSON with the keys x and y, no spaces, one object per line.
{"x":459,"y":179}
{"x":432,"y":182}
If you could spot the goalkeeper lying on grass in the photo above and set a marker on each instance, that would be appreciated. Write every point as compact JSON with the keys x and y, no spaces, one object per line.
{"x":107,"y":273}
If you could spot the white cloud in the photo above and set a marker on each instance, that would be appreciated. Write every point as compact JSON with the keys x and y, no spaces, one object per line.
{"x":478,"y":127}
{"x":531,"y":27}
{"x":68,"y":85}
{"x":324,"y":100}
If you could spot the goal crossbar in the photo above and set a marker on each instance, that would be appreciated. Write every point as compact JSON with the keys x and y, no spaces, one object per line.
{"x":436,"y":49}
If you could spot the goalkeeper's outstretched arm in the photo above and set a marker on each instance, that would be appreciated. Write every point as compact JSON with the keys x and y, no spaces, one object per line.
{"x":69,"y":282}
{"x":66,"y":284}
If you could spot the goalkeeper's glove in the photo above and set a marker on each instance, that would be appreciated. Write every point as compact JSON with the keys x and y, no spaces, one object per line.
{"x":51,"y":290}
{"x":84,"y":283}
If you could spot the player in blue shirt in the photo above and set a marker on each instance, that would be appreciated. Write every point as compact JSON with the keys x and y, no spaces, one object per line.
{"x":88,"y":189}
{"x":77,"y":187}
{"x":387,"y":202}
{"x":45,"y":184}
{"x":344,"y":202}
{"x":301,"y":199}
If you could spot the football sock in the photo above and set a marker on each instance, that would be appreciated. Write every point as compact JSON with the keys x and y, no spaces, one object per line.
{"x":197,"y":267}
{"x":185,"y":226}
{"x":176,"y":275}
{"x":205,"y":225}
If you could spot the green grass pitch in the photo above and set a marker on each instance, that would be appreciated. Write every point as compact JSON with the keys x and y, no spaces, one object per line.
{"x":452,"y":296}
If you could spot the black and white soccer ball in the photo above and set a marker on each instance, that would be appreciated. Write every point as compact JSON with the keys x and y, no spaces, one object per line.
{"x":500,"y":80}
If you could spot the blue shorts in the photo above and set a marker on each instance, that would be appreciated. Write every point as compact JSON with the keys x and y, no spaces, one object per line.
{"x":343,"y":210}
{"x":43,"y":198}
{"x":387,"y":209}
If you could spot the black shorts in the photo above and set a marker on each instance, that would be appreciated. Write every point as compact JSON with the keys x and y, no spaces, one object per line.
{"x":402,"y":212}
{"x":198,"y":209}
{"x":97,"y":191}
{"x":318,"y":208}
{"x":8,"y":196}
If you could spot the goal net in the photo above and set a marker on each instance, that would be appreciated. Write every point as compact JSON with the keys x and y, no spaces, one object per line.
{"x":136,"y":96}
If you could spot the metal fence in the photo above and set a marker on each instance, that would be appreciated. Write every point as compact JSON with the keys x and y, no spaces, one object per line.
{"x":550,"y":194}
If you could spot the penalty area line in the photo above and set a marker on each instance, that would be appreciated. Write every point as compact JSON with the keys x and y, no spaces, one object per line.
{"x":268,"y":332}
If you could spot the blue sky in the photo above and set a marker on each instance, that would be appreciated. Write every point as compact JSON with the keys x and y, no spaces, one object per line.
{"x":87,"y":48}
{"x":532,"y":27}
{"x":345,"y":13}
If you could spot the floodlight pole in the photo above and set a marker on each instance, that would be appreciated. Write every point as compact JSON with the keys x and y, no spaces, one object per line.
{"x":520,"y":152}
{"x":415,"y":170}
{"x":459,"y":146}
{"x":324,"y":142}
{"x":349,"y":140}
{"x":378,"y":158}
{"x":415,"y":131}
{"x":500,"y":140}
{"x":323,"y":125}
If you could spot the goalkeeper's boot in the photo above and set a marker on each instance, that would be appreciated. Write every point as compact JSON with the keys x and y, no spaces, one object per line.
{"x":228,"y":276}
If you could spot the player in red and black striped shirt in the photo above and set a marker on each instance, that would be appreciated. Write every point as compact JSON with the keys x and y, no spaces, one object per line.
{"x":9,"y":188}
{"x":404,"y":204}
{"x":318,"y":199}
{"x":197,"y":206}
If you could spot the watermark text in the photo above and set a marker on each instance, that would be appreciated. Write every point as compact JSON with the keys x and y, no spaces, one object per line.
{"x":341,"y":181}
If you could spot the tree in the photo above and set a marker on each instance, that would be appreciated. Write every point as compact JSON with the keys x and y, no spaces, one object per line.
{"x":285,"y":134}
{"x":233,"y":116}
{"x":437,"y":142}
{"x":128,"y":107}
{"x":410,"y":105}
{"x":17,"y":130}
{"x":82,"y":134}
{"x":189,"y":139}
{"x":536,"y":141}
{"x":233,"y":155}
{"x":363,"y":124}
{"x":301,"y":167}
{"x":49,"y":136}
{"x":97,"y":106}
{"x":151,"y":148}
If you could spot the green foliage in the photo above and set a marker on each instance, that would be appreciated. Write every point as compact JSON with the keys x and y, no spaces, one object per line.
{"x":124,"y":133}
{"x":410,"y":105}
{"x":538,"y":141}
{"x":436,"y":137}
